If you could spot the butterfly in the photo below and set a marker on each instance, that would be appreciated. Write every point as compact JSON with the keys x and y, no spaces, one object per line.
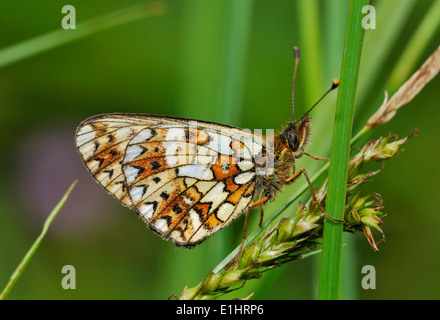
{"x":187,"y":179}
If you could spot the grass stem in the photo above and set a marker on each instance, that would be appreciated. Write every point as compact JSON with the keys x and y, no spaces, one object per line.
{"x":20,"y":268}
{"x":331,"y":252}
{"x":50,"y":40}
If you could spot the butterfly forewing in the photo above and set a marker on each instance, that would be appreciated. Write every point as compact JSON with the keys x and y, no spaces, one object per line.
{"x":186,"y":179}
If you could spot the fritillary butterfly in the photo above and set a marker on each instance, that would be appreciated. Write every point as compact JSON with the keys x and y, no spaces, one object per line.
{"x":188,"y":179}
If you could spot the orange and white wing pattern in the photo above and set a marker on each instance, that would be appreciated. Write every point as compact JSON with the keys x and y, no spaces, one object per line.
{"x":186,"y":179}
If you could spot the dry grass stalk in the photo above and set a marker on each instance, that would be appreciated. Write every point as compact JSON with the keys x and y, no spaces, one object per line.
{"x":407,"y":91}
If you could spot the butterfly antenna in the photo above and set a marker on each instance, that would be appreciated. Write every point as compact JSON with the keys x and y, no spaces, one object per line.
{"x":335,"y":84}
{"x":296,"y":55}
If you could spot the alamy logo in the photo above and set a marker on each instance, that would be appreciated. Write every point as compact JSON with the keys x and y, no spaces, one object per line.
{"x":69,"y":20}
{"x":369,"y":21}
{"x":369,"y":280}
{"x":69,"y":280}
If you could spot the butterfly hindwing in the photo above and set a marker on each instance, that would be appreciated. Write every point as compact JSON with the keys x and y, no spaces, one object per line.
{"x":186,"y":179}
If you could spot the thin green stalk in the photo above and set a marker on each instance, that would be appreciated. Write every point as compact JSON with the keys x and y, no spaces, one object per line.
{"x":331,"y":252}
{"x":334,"y":24}
{"x":238,"y":22}
{"x":202,"y":31}
{"x":20,"y":268}
{"x":310,"y":40}
{"x":45,"y":42}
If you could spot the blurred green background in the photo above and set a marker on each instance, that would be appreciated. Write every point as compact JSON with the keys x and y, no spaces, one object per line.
{"x":222,"y":61}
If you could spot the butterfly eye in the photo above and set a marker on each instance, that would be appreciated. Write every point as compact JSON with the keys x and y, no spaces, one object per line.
{"x":293,"y":141}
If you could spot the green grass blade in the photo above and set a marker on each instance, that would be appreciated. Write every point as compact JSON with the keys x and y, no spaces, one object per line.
{"x":331,"y":253}
{"x":310,"y":44}
{"x":39,"y":44}
{"x":237,"y":35}
{"x":199,"y":74}
{"x":20,"y":268}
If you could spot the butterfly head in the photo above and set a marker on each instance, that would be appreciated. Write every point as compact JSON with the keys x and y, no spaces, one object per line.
{"x":296,"y":135}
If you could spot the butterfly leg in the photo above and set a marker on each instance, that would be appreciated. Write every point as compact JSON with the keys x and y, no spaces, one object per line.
{"x":303,"y":171}
{"x":257,"y":203}
{"x":254,"y":204}
{"x":243,"y":238}
{"x":315,"y":157}
{"x":260,"y":224}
